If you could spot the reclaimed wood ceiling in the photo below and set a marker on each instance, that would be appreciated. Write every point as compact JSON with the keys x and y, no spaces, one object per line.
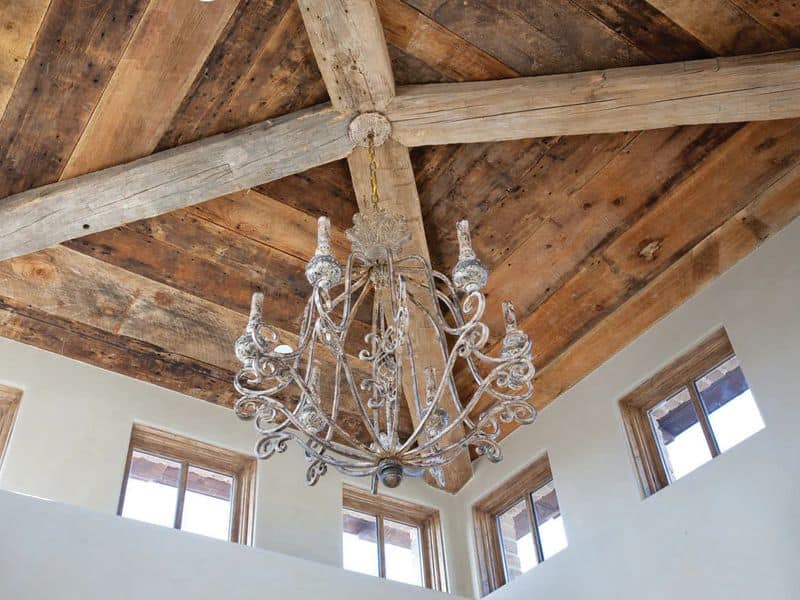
{"x":594,"y":238}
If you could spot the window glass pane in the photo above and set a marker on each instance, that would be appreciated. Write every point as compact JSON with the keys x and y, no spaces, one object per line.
{"x":732,"y":410}
{"x":403,"y":552}
{"x":359,"y":542}
{"x":207,"y":504}
{"x":552,"y":535}
{"x":151,"y":492}
{"x":679,"y":435}
{"x":516,"y":537}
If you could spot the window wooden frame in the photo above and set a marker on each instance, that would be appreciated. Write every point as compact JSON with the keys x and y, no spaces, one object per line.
{"x":192,"y":452}
{"x":679,"y":374}
{"x":424,"y":518}
{"x":491,"y":561}
{"x":9,"y":405}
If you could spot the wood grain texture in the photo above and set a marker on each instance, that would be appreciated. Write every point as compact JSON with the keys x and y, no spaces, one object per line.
{"x":19,"y":24}
{"x":171,"y":179}
{"x":721,"y":25}
{"x":21,"y":321}
{"x":580,"y":214}
{"x":398,"y":194}
{"x":535,"y":37}
{"x":76,"y":50}
{"x":436,"y":46}
{"x":148,"y":85}
{"x":646,"y":28}
{"x":351,"y":52}
{"x":749,"y":88}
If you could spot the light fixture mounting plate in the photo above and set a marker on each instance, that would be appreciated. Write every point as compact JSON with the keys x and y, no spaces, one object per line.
{"x":369,"y":124}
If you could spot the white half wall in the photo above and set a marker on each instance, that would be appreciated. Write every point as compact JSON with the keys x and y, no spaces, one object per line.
{"x":730,"y":529}
{"x":51,"y":551}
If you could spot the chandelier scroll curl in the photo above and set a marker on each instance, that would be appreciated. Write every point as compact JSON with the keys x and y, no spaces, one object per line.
{"x":338,"y":394}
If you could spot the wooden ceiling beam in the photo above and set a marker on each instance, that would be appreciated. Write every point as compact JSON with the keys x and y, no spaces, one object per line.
{"x":725,"y":90}
{"x":351,"y":52}
{"x":172,"y":179}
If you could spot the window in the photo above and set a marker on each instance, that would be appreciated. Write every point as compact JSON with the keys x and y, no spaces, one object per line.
{"x":691,"y":411}
{"x":9,"y":403}
{"x":182,"y":483}
{"x":518,"y":526}
{"x":391,"y":538}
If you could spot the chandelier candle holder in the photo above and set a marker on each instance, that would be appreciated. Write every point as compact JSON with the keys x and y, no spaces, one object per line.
{"x":281,"y":386}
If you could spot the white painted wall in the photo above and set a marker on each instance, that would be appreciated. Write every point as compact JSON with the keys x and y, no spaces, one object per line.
{"x":71,"y":437}
{"x":729,"y":530}
{"x":51,"y":551}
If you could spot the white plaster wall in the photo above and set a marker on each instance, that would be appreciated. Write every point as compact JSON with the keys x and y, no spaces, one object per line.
{"x":728,"y":530}
{"x":71,"y":437}
{"x":52,"y":551}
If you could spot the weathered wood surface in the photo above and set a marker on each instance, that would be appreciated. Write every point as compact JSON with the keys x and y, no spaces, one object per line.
{"x":145,"y":87}
{"x":171,"y":179}
{"x":351,"y":52}
{"x":398,"y":193}
{"x":21,"y":22}
{"x":628,"y":264}
{"x":747,"y":88}
{"x":436,"y":46}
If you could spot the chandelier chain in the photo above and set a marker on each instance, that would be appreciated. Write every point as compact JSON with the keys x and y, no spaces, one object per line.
{"x":373,"y":173}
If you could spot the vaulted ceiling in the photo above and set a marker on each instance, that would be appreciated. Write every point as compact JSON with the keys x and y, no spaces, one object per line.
{"x":593,"y":237}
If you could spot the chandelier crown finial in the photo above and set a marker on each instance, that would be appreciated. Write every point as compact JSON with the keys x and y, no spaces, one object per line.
{"x":469,"y":273}
{"x":323,"y":269}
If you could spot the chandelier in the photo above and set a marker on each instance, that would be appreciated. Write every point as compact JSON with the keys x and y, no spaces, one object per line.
{"x":297,"y":389}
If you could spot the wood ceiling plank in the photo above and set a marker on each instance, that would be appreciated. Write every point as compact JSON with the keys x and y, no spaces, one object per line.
{"x":767,"y":214}
{"x":322,"y":191}
{"x":748,"y":88}
{"x":72,"y":286}
{"x":721,"y":25}
{"x":535,"y":37}
{"x":746,"y":166}
{"x":398,"y":194}
{"x":423,"y":38}
{"x":158,"y":66}
{"x":351,"y":52}
{"x":278,"y":75}
{"x":739,"y":170}
{"x":780,"y":17}
{"x":516,"y":196}
{"x":268,"y":221}
{"x":19,"y":24}
{"x":231,"y":288}
{"x":250,"y":28}
{"x":586,"y":215}
{"x":172,"y":179}
{"x":646,"y":28}
{"x":121,"y":354}
{"x":78,"y":46}
{"x":281,"y":277}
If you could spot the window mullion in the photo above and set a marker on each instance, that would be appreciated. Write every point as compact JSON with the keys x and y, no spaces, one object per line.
{"x":184,"y":475}
{"x":381,"y":548}
{"x":702,"y":416}
{"x":537,"y":542}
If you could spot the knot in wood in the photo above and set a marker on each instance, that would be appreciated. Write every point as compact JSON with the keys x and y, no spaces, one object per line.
{"x":366,"y":124}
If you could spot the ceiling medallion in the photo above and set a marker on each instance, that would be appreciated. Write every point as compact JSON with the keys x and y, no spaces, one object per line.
{"x":338,"y":393}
